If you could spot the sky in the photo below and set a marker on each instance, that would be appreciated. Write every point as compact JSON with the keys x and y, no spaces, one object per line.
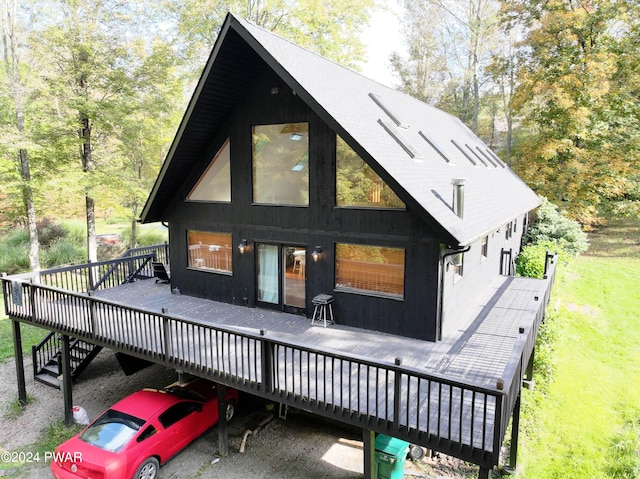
{"x":382,"y":38}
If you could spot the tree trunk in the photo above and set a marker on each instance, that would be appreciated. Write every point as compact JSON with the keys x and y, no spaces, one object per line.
{"x":87,"y":167}
{"x":30,"y":209}
{"x":12,"y":68}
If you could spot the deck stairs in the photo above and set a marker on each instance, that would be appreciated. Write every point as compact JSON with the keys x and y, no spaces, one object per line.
{"x":47,"y":359}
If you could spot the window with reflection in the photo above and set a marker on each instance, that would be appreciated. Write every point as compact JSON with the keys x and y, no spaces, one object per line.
{"x":215,"y":182}
{"x":357,"y":185}
{"x":210,"y":251}
{"x":373,"y":269}
{"x":281,"y":164}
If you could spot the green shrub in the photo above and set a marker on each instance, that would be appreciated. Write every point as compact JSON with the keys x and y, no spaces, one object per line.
{"x":531,"y":260}
{"x":62,"y":252}
{"x":49,"y":232}
{"x":551,"y":226}
{"x":146,"y":236}
{"x":14,"y":258}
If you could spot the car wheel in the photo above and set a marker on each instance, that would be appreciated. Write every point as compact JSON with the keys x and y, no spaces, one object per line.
{"x":231,"y":410}
{"x":148,"y":469}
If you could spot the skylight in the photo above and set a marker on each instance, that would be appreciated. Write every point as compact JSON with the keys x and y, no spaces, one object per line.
{"x":495,"y":157}
{"x":473,"y":162}
{"x":476,"y":155}
{"x":400,"y":138}
{"x":488,"y":158}
{"x":394,"y":117}
{"x":434,"y":145}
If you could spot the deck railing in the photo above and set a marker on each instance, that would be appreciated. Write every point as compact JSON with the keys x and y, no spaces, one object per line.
{"x":462,"y":419}
{"x":516,"y":367}
{"x":427,"y":409}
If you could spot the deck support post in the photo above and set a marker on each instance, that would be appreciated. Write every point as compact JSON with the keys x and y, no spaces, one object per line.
{"x":369,"y":446}
{"x":529,"y":371}
{"x":515,"y":429}
{"x":484,"y":473}
{"x":17,"y":349}
{"x":223,"y":435}
{"x":67,"y":386}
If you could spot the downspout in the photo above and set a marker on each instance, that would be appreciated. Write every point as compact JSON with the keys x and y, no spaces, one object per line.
{"x":442,"y":275}
{"x":458,"y":209}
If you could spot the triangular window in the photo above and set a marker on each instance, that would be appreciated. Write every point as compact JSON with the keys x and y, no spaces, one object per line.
{"x":357,"y":185}
{"x":215,"y":182}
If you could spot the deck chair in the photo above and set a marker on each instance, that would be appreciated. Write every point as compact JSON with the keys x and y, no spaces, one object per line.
{"x":160,"y":272}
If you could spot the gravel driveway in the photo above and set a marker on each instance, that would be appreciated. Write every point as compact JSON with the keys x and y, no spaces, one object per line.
{"x":302,"y":446}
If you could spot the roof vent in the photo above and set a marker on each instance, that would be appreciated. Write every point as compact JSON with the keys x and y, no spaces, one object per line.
{"x":394,"y":117}
{"x":458,"y":196}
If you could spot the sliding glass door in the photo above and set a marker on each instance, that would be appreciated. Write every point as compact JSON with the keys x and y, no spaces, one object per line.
{"x":281,"y":276}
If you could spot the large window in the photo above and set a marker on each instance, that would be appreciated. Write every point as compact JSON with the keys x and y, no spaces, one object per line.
{"x":372,"y":269}
{"x":281,"y":164}
{"x":357,"y":185}
{"x":210,"y":251}
{"x":215,"y":182}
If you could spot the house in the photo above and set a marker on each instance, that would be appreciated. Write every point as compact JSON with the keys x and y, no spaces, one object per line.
{"x":295,"y":186}
{"x":287,"y":153}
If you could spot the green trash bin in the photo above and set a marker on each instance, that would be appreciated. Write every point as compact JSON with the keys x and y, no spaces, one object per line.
{"x":390,"y":456}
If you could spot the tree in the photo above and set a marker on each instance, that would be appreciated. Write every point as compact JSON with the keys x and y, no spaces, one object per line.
{"x":16,"y":87}
{"x":92,"y":85}
{"x":575,"y":98}
{"x":329,"y":27}
{"x":447,"y":40}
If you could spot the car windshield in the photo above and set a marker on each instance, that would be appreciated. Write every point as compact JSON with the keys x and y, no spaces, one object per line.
{"x":112,"y":431}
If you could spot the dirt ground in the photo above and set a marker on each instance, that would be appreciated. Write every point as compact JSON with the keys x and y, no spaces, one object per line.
{"x":300,"y":446}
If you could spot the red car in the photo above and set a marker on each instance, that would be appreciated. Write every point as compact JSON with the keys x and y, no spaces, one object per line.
{"x":140,"y":432}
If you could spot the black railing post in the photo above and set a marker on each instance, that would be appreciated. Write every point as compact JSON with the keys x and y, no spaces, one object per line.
{"x":397,"y":393}
{"x":498,"y":428}
{"x":17,"y":347}
{"x":515,"y":432}
{"x":266,"y":363}
{"x":167,"y":336}
{"x":90,"y":276}
{"x":66,"y":381}
{"x":92,"y":316}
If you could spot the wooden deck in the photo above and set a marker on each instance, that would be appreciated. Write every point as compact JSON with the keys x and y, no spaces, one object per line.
{"x":455,"y":396}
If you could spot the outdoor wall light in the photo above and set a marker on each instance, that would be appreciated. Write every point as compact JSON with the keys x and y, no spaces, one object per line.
{"x":242,"y":247}
{"x":316,"y":254}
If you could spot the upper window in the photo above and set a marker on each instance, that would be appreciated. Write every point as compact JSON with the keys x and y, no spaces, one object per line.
{"x":215,"y":182}
{"x":373,"y":269}
{"x":484,"y":248}
{"x":358,"y":185}
{"x":209,"y":251}
{"x":281,"y":164}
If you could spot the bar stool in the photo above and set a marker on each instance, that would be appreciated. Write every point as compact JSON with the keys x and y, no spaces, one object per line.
{"x":322,"y":303}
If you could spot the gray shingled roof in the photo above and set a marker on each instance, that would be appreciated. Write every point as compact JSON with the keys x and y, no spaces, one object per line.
{"x":419,"y":173}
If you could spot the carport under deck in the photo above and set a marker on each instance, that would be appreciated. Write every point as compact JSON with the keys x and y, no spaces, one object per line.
{"x":455,"y":396}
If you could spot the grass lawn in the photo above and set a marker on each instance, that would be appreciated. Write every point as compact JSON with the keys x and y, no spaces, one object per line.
{"x":586,"y":421}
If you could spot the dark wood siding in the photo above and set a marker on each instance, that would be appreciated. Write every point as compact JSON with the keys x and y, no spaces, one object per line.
{"x":321,"y":223}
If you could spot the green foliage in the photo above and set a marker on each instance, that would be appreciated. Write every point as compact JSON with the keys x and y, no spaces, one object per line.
{"x":586,"y":362}
{"x":552,"y":227}
{"x":49,"y":232}
{"x":30,"y":335}
{"x":146,"y":236}
{"x":14,"y":259}
{"x":531,"y":260}
{"x":55,"y":434}
{"x":63,"y":251}
{"x":624,"y":458}
{"x":578,"y":99}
